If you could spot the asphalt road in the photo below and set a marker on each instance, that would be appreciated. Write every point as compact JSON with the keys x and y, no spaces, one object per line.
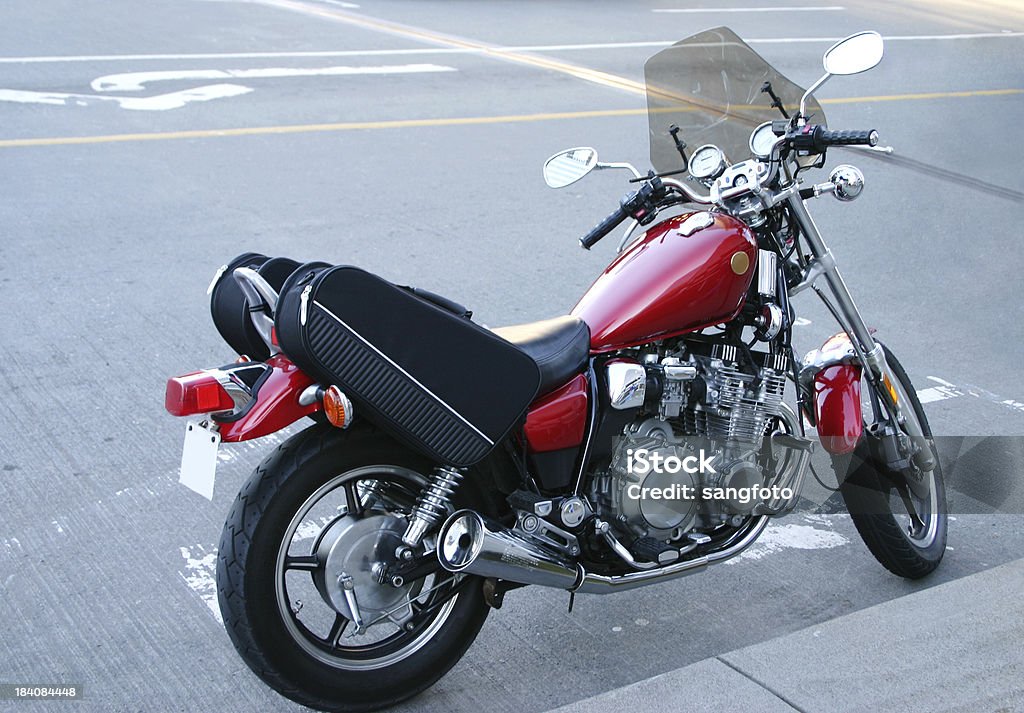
{"x":119,"y":203}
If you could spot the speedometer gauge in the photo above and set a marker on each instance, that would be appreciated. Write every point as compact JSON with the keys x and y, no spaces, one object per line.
{"x":762,"y":139}
{"x":707,"y":162}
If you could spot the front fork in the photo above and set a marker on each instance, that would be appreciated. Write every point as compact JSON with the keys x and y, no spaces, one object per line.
{"x":898,"y":427}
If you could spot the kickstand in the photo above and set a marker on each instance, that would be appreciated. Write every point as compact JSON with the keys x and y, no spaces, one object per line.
{"x":572,"y":600}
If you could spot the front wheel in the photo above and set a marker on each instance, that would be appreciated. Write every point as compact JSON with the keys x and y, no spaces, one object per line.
{"x":301,"y":561}
{"x":905,"y":530}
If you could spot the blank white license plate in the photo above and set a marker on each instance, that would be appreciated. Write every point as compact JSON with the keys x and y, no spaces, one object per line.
{"x":199,"y":459}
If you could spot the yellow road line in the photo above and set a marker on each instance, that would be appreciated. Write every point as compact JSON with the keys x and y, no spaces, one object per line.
{"x":420,"y":123}
{"x":924,"y":95}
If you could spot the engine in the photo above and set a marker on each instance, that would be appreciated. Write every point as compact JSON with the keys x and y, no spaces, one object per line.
{"x":700,"y":453}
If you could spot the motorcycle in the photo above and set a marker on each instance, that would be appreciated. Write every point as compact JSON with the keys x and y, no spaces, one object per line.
{"x":642,"y":437}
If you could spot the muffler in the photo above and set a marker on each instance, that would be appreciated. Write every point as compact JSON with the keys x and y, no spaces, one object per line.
{"x":471,"y":544}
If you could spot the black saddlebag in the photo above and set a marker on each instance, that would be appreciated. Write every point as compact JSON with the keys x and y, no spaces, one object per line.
{"x":230,"y":309}
{"x":420,"y":370}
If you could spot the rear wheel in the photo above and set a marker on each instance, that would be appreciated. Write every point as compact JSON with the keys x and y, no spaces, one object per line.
{"x":905,"y":530}
{"x":304,"y":551}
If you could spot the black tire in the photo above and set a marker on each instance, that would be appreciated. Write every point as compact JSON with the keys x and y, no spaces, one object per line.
{"x":247,"y":570}
{"x":869,"y":491}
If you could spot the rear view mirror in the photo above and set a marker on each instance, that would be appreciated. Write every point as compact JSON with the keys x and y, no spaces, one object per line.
{"x":567,"y":167}
{"x":857,"y":53}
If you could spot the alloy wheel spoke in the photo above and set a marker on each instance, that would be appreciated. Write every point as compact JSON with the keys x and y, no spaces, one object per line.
{"x":908,"y":503}
{"x":353,"y":502}
{"x":337,"y":629}
{"x":304,"y":562}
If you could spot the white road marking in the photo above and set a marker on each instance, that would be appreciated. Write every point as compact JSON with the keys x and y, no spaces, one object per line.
{"x":136,"y":81}
{"x":778,"y":537}
{"x":308,"y":529}
{"x":49,"y":59}
{"x":160,"y":102}
{"x":949,"y":390}
{"x":937,"y":393}
{"x":976,"y":392}
{"x":694,"y":10}
{"x":200,"y":575}
{"x":801,"y":322}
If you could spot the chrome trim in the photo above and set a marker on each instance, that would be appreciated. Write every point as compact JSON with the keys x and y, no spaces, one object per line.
{"x":633,"y":225}
{"x":573,"y":511}
{"x":802,"y":117}
{"x":434,"y":502}
{"x":347,"y":409}
{"x":767,"y":273}
{"x":542,"y":530}
{"x":627,"y":384}
{"x":695,"y":223}
{"x":470,"y":544}
{"x":619,"y":164}
{"x":848,"y":181}
{"x":388,"y":359}
{"x":815,"y":268}
{"x":246,"y":276}
{"x":769,"y":323}
{"x":310,"y":395}
{"x":592,"y":399}
{"x":619,"y":549}
{"x":237,"y":389}
{"x":258,"y":291}
{"x":599,"y":584}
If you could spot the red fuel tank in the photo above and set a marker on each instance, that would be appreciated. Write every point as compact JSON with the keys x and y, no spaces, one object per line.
{"x":683,"y":274}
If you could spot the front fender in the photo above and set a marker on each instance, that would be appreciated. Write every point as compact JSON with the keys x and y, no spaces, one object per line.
{"x":831,"y":376}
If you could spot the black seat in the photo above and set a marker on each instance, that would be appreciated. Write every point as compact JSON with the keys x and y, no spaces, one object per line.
{"x":560,"y":347}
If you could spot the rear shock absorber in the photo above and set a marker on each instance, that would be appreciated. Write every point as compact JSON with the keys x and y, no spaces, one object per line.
{"x":431,"y":507}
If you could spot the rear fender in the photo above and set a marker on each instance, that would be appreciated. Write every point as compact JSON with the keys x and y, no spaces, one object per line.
{"x":831,"y":377}
{"x":275,"y":404}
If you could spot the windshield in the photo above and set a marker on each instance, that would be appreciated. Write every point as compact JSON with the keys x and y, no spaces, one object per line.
{"x":710,"y":86}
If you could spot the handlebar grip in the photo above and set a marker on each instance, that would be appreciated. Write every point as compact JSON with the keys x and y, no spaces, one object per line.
{"x":865,"y":137}
{"x":816,"y":138}
{"x":603,"y":228}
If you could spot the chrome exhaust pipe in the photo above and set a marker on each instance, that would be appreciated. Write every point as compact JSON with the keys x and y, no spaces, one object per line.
{"x":472,"y":545}
{"x":468,"y":543}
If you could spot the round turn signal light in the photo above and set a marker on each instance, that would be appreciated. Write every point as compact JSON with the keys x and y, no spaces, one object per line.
{"x":337,"y":407}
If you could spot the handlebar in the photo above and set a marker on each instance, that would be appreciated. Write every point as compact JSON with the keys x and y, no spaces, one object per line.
{"x":816,"y":138}
{"x":603,"y":228}
{"x":643,"y":204}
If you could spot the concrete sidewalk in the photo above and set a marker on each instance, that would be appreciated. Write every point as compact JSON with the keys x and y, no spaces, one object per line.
{"x":955,"y":647}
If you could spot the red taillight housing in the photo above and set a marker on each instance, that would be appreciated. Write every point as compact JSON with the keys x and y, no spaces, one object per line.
{"x":196,"y":393}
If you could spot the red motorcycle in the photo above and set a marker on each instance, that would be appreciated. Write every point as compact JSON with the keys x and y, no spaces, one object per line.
{"x":642,"y":437}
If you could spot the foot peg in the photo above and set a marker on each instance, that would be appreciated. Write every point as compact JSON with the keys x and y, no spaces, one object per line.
{"x":648,"y":549}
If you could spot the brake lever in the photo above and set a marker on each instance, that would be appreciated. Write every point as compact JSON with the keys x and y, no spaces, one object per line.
{"x":875,"y":149}
{"x":633,"y":225}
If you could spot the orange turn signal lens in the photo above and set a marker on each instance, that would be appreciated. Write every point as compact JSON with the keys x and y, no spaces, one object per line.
{"x":337,"y":407}
{"x":892,"y":389}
